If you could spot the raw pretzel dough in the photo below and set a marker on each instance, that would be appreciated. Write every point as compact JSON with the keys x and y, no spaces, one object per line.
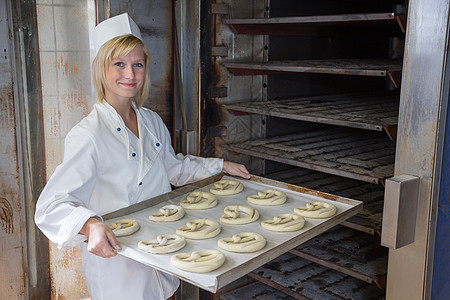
{"x":199,"y":200}
{"x":284,"y":222}
{"x":226,"y":187}
{"x":239,"y":214}
{"x":199,"y":229}
{"x":124,"y":227}
{"x":243,"y":242}
{"x":268,"y":197}
{"x":316,"y":210}
{"x":166,"y":243}
{"x":168,"y":213}
{"x":199,"y":261}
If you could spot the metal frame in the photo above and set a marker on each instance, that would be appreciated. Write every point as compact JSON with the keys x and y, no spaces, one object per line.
{"x":438,"y":181}
{"x":30,"y":142}
{"x":417,"y":142}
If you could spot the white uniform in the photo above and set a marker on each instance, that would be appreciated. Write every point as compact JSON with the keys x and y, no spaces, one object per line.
{"x":105,"y":168}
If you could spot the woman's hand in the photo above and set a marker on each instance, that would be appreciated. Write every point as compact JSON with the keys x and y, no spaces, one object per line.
{"x":101,"y":239}
{"x":235,"y":169}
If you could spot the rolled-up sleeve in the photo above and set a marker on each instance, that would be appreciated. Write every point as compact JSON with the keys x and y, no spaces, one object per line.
{"x":62,"y":208}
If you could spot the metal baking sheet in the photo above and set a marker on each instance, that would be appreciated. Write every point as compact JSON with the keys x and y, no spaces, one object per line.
{"x":236,"y":264}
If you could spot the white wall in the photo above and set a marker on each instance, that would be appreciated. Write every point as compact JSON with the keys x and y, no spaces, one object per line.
{"x":64,"y":27}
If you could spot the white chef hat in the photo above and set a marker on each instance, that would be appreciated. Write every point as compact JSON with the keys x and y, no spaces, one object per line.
{"x":113,"y":27}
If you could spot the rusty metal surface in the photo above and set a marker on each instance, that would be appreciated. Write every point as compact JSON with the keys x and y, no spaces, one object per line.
{"x":13,"y":276}
{"x":213,"y":74}
{"x":364,"y":111}
{"x":328,"y":25}
{"x":360,"y":67}
{"x":368,"y":220}
{"x":349,"y":251}
{"x":314,"y":281}
{"x":350,"y":153}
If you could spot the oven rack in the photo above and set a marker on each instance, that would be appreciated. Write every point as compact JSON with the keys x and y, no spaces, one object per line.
{"x":389,"y":23}
{"x":378,"y":112}
{"x":359,"y":67}
{"x":348,"y":251}
{"x":349,"y":153}
{"x":298,"y":278}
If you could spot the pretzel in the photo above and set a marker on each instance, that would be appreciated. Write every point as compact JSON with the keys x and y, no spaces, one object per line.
{"x":168,"y":213}
{"x":124,"y":227}
{"x":284,"y":222}
{"x":199,"y":261}
{"x":243,"y":242}
{"x":316,"y":210}
{"x":166,"y":243}
{"x":268,"y":197}
{"x":199,"y":229}
{"x":199,"y":200}
{"x":239,"y":214}
{"x":226,"y":187}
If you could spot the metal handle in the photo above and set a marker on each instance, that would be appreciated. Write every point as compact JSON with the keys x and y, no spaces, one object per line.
{"x":400,"y":211}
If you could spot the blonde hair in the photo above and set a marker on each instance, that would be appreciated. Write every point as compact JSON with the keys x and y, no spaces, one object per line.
{"x":112,"y":49}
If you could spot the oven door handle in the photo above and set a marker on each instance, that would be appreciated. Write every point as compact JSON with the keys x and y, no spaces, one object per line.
{"x":400,"y":211}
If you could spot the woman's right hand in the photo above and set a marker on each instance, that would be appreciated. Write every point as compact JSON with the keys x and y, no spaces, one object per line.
{"x":101,"y":240}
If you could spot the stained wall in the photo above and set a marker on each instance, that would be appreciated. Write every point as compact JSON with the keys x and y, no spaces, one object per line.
{"x":64,"y":27}
{"x":12,"y":257}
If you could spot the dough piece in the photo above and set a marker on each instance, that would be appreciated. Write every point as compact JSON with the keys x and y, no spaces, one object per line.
{"x":243,"y":242}
{"x":316,"y":210}
{"x":199,"y":229}
{"x":124,"y":227}
{"x":199,"y":200}
{"x":268,"y":197}
{"x":239,"y":214}
{"x":203,"y":261}
{"x":226,"y":187}
{"x":168,"y":213}
{"x":284,"y":222}
{"x":166,"y":243}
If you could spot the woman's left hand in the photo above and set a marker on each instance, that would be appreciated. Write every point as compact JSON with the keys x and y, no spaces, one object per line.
{"x":235,"y":169}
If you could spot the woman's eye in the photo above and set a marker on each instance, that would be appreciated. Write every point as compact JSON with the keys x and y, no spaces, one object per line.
{"x":119,"y":64}
{"x":139,"y":65}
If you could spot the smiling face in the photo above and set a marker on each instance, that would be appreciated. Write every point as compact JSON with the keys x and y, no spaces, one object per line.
{"x":124,"y":77}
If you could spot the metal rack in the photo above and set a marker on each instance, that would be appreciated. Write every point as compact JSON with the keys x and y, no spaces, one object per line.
{"x":350,"y":153}
{"x":360,"y":67}
{"x":364,"y":111}
{"x":300,"y":278}
{"x":350,"y":252}
{"x":329,"y":25}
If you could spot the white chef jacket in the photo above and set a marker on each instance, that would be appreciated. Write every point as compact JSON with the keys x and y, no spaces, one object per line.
{"x":105,"y":168}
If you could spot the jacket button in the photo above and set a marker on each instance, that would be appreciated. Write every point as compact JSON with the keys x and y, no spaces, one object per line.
{"x":133,"y":154}
{"x":157,"y":144}
{"x":118,"y":129}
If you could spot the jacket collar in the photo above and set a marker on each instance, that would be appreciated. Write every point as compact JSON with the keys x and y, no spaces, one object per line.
{"x":149,"y":145}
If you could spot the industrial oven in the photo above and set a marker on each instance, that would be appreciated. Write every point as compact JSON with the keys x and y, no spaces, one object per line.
{"x":344,"y":98}
{"x":308,"y":93}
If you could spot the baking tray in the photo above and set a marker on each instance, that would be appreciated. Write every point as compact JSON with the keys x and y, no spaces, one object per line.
{"x":236,"y":264}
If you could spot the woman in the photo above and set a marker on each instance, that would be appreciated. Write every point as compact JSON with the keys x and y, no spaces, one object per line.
{"x":120,"y":154}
